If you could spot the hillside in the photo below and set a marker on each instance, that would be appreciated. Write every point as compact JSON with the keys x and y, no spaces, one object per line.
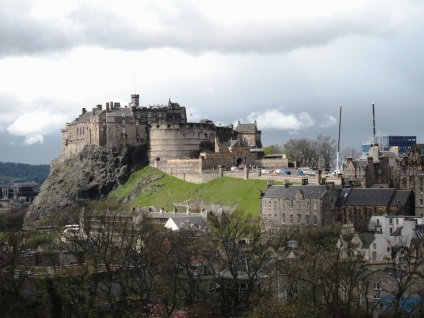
{"x":152,"y":187}
{"x":18,"y":172}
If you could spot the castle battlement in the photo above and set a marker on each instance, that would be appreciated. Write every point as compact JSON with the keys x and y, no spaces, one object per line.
{"x":163,"y":129}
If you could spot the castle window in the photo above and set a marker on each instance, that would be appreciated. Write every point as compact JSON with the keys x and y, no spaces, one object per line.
{"x":284,"y":218}
{"x":298,"y":204}
{"x":299,"y":218}
{"x":315,"y":206}
{"x":291,"y":218}
{"x":315,"y":220}
{"x":307,"y":219}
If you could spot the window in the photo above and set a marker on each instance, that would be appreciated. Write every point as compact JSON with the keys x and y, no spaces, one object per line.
{"x":284,"y":218}
{"x":269,"y":204}
{"x":298,"y":204}
{"x":376,"y":286}
{"x":275,"y":205}
{"x":307,"y":204}
{"x":391,"y":230}
{"x":299,"y":218}
{"x":315,"y":206}
{"x":291,"y":218}
{"x":374,"y":255}
{"x":307,"y":219}
{"x":390,"y":221}
{"x":374,"y":245}
{"x":290,"y":204}
{"x":315,"y":220}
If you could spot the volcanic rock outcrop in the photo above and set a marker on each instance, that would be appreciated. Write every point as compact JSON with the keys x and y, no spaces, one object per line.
{"x":91,"y":174}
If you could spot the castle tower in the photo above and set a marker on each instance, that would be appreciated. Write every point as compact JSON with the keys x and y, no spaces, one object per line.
{"x":135,"y":100}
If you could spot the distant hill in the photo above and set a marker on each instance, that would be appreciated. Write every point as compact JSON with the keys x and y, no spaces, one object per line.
{"x":152,"y":187}
{"x":19,"y":172}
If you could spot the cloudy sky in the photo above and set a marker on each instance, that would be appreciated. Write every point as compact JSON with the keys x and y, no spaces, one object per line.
{"x":289,"y":65}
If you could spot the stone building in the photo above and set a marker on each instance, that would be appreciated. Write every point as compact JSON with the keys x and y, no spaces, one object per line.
{"x":163,"y":129}
{"x":357,"y":205}
{"x":305,"y":205}
{"x":366,"y":173}
{"x":410,"y":166}
{"x":116,"y":126}
{"x":250,"y":134}
{"x":419,"y":194}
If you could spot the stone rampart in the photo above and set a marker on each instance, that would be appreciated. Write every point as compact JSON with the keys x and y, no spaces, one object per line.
{"x":184,"y":140}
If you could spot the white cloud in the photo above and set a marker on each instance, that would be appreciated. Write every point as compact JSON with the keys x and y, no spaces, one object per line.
{"x":34,"y":139}
{"x":277,"y":119}
{"x":38,"y":122}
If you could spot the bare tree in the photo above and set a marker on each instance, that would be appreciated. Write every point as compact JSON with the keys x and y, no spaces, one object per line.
{"x":308,"y":152}
{"x":351,"y":152}
{"x":327,"y":150}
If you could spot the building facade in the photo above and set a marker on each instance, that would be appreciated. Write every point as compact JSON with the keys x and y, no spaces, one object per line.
{"x":305,"y":205}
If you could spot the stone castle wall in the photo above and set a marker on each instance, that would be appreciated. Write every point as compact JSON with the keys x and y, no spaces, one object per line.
{"x":184,"y":140}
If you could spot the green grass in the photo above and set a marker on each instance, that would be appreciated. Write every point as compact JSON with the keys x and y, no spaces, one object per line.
{"x":152,"y":187}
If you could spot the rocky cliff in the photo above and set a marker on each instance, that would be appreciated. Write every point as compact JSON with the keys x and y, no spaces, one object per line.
{"x":91,"y":174}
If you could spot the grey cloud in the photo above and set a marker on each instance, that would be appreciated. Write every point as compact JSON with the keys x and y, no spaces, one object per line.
{"x":22,"y":34}
{"x":189,"y":30}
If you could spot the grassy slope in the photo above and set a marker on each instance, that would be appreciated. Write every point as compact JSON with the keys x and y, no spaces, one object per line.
{"x":149,"y":186}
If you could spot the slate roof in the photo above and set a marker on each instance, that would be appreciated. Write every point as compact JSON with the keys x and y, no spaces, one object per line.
{"x":120,"y":112}
{"x":244,"y":128}
{"x":83,"y":117}
{"x":283,"y":192}
{"x":367,"y":238}
{"x":173,"y":105}
{"x":368,"y":196}
{"x":341,"y":200}
{"x":401,"y":197}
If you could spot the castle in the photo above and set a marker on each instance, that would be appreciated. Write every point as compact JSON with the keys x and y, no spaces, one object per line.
{"x":164,"y":130}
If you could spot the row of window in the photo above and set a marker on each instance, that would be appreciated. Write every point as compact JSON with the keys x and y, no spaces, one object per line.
{"x":299,"y":219}
{"x":289,"y":204}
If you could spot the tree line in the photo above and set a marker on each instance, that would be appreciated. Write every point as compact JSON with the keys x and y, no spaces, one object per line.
{"x":315,"y":153}
{"x":18,"y":172}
